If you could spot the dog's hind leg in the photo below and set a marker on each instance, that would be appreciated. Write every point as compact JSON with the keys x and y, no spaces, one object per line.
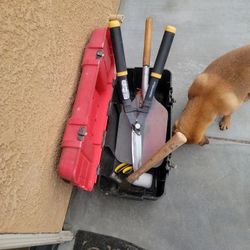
{"x":228,"y":103}
{"x":225,"y":122}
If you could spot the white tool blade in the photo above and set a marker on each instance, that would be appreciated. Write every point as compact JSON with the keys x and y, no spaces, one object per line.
{"x":136,"y":149}
{"x":145,"y":79}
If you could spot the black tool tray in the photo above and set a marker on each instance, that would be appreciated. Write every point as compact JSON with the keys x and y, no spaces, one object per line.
{"x":108,"y":160}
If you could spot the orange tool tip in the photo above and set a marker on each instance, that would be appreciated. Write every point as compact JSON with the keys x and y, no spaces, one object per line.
{"x":171,"y":29}
{"x":114,"y":23}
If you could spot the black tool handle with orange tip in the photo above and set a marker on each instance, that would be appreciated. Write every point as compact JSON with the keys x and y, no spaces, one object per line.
{"x":120,"y":63}
{"x":159,"y":64}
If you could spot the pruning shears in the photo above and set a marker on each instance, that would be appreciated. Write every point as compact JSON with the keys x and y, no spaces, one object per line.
{"x":137,"y":115}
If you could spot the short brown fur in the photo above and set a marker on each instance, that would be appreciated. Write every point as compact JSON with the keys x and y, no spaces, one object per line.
{"x":219,"y":90}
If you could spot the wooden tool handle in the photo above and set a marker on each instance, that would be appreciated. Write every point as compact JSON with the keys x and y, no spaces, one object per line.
{"x":176,"y":141}
{"x":147,"y":41}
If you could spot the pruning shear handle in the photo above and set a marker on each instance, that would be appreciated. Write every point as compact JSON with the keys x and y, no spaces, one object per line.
{"x":159,"y":64}
{"x":120,"y":62}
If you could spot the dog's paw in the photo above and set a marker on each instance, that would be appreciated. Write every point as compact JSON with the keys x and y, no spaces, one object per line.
{"x":224,"y":123}
{"x":204,"y":141}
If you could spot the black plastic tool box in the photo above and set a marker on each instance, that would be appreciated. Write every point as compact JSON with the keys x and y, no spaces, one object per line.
{"x":89,"y":141}
{"x":108,"y":160}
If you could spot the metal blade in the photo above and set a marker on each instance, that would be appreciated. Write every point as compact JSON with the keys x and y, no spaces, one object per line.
{"x":136,"y":149}
{"x":145,"y":78}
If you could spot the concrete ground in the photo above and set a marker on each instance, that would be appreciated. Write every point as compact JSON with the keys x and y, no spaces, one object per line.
{"x":207,"y":202}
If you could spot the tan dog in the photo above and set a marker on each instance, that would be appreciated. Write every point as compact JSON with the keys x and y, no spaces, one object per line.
{"x":219,"y":90}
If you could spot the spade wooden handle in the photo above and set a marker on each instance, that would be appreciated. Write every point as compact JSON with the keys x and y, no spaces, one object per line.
{"x":147,"y":41}
{"x":176,"y":141}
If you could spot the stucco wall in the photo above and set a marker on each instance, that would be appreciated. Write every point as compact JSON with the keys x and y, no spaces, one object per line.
{"x":41,"y":47}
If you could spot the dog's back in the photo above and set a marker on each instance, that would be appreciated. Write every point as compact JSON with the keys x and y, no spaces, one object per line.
{"x":233,"y":69}
{"x":225,"y":81}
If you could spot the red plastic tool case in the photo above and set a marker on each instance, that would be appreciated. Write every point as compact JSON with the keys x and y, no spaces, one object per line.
{"x":85,"y":129}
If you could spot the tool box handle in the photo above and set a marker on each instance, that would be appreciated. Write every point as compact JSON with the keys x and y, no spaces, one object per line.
{"x":159,"y":64}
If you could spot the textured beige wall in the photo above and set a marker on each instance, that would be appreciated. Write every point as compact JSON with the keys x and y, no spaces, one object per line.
{"x":41,"y":47}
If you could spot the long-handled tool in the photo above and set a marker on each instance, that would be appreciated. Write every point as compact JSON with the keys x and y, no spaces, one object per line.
{"x":124,"y":151}
{"x":155,"y":128}
{"x":127,"y":118}
{"x":136,"y":117}
{"x":149,"y":97}
{"x":157,"y":119}
{"x":155,"y":123}
{"x":146,"y":179}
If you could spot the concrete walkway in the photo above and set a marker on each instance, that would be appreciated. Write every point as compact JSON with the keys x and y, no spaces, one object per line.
{"x":207,"y":202}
